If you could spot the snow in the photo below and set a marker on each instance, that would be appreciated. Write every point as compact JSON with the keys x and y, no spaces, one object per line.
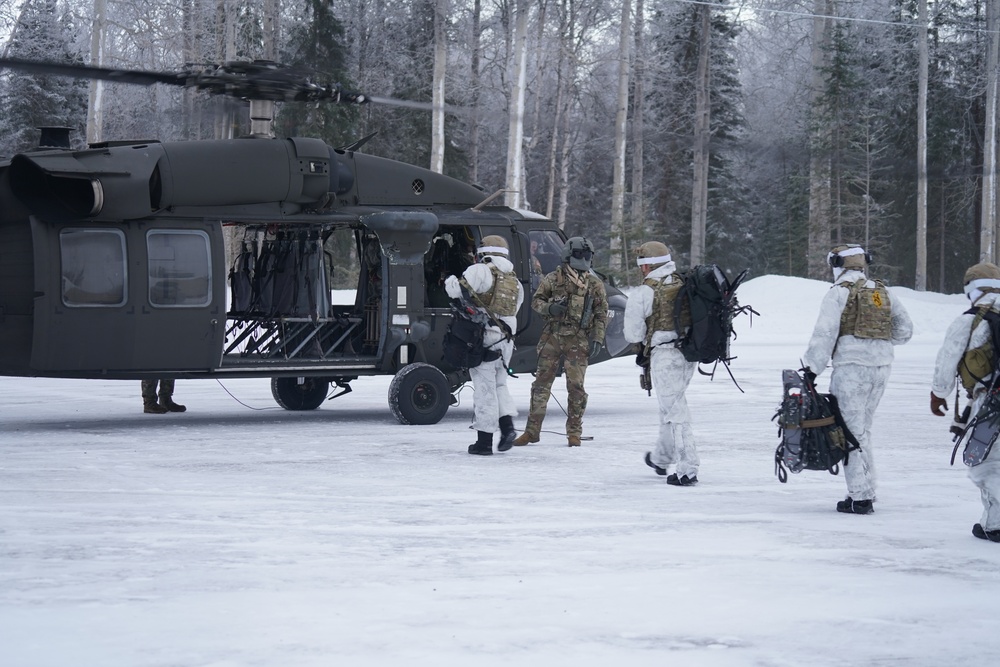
{"x":241,"y":534}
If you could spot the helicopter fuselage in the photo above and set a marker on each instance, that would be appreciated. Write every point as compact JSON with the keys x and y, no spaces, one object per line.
{"x":213,"y":259}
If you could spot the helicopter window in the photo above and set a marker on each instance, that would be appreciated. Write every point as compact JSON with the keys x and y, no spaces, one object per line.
{"x":180,"y":268}
{"x":93,"y":267}
{"x":546,"y":251}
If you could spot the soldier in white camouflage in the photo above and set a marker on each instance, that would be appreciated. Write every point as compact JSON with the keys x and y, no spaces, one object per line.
{"x":574,"y":305}
{"x":491,"y":284}
{"x":858,"y":325}
{"x":649,"y":321}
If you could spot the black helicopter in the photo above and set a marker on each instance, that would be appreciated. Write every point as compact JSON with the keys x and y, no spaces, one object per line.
{"x":113,"y":259}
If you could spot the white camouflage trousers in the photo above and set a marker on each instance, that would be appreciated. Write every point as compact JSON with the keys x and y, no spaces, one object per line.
{"x":490,"y":398}
{"x":671,"y":373}
{"x":859,"y":390}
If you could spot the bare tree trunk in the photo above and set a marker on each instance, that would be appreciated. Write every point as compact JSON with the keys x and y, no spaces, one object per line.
{"x":702,"y":129}
{"x":515,"y":138}
{"x":477,"y":11}
{"x":617,"y":261}
{"x":637,"y":210}
{"x":819,"y":159}
{"x":920,"y":279}
{"x":437,"y":97}
{"x":95,"y":108}
{"x":556,"y":139}
{"x":987,"y":238}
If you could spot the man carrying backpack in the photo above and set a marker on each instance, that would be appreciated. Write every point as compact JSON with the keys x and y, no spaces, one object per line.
{"x":574,"y":305}
{"x":857,"y":327}
{"x":492,"y":285}
{"x":969,"y":351}
{"x":649,"y":321}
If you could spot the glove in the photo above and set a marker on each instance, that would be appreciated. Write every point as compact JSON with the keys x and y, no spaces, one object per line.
{"x":595,"y":348}
{"x":557,"y":309}
{"x":809,"y":375}
{"x":452,"y":287}
{"x":938,"y":405}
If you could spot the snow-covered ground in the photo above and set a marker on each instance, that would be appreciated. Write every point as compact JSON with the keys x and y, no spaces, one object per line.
{"x":241,"y":534}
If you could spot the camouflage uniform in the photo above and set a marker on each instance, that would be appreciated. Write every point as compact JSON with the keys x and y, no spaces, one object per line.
{"x":564,"y":338}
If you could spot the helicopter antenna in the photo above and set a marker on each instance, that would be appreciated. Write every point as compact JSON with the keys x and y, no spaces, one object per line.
{"x":350,"y":148}
{"x":479,"y":207}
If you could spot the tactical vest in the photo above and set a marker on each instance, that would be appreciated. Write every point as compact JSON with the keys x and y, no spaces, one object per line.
{"x":976,"y":364}
{"x":664,"y":299}
{"x":501,"y":299}
{"x":868,"y":312}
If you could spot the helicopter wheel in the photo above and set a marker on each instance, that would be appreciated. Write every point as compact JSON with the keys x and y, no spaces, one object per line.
{"x":419,"y":394}
{"x":291,"y":394}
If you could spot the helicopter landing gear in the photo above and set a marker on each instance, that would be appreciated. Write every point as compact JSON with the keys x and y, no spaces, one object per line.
{"x":419,"y":394}
{"x":304,"y":393}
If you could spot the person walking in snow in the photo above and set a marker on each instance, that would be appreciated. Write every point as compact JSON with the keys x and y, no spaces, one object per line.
{"x":574,"y":305}
{"x":858,"y":325}
{"x":649,"y":321}
{"x":967,"y":352}
{"x":492,"y":285}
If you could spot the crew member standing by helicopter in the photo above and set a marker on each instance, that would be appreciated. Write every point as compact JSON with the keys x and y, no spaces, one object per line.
{"x":492,"y":285}
{"x":152,"y":406}
{"x":575,"y":306}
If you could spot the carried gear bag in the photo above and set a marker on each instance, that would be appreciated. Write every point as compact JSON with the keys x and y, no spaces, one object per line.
{"x":981,"y":433}
{"x":463,"y":342}
{"x":812,"y":431}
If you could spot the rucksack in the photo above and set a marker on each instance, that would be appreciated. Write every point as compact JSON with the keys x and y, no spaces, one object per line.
{"x":462,"y":346}
{"x":812,"y":431}
{"x":710,"y":297}
{"x":980,"y":362}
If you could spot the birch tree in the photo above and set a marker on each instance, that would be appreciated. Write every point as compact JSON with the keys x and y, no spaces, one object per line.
{"x":702,"y":128}
{"x":621,"y":135}
{"x":515,"y":195}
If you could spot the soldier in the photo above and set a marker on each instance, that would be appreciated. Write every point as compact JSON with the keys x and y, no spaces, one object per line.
{"x":166,"y":402}
{"x":649,"y":320}
{"x":492,"y":285}
{"x":857,"y":327}
{"x":967,"y":351}
{"x":572,"y":301}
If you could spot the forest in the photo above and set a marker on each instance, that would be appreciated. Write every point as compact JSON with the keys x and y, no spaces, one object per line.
{"x":751,"y":134}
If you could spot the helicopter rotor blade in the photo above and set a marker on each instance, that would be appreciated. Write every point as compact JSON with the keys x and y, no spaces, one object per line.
{"x":423,"y":106}
{"x":257,"y":80}
{"x":78,"y":71}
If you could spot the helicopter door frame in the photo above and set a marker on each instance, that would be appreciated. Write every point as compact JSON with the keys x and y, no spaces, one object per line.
{"x":180,"y":280}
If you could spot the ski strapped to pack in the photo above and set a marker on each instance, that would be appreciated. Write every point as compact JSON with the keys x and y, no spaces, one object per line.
{"x":812,"y":430}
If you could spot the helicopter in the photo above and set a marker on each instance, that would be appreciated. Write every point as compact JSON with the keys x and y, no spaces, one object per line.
{"x":115,"y":264}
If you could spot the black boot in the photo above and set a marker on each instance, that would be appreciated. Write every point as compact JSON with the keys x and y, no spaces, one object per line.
{"x":991,"y":535}
{"x":484,"y":445}
{"x":850,"y":506}
{"x":507,"y":433}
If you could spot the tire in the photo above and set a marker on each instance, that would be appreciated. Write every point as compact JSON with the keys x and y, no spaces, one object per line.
{"x":419,"y":394}
{"x":291,"y":395}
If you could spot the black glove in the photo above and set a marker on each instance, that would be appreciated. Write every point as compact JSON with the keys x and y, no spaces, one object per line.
{"x":557,"y":309}
{"x":939,"y":406}
{"x":809,"y":376}
{"x":595,"y":348}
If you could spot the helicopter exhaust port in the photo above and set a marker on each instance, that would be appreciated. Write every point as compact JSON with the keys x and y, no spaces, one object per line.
{"x":53,"y":195}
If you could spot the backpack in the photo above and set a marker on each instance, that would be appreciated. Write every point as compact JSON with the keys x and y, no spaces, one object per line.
{"x":812,"y":431}
{"x":978,"y":363}
{"x":462,"y":346}
{"x":710,"y":298}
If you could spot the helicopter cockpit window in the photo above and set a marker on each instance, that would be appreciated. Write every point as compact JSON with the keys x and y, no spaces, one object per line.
{"x":93,"y":267}
{"x":546,"y":254}
{"x":180,"y":268}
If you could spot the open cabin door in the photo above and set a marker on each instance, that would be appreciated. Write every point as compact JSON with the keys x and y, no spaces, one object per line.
{"x":115,"y":299}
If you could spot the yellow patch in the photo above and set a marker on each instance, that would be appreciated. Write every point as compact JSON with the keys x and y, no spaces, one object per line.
{"x":877,"y":299}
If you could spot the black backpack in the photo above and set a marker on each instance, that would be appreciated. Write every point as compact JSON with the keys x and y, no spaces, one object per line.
{"x":463,"y":342}
{"x":812,"y":431}
{"x":710,"y":297}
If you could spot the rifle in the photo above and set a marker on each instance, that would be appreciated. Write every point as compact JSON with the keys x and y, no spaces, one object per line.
{"x":642,"y":360}
{"x":588,"y":310}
